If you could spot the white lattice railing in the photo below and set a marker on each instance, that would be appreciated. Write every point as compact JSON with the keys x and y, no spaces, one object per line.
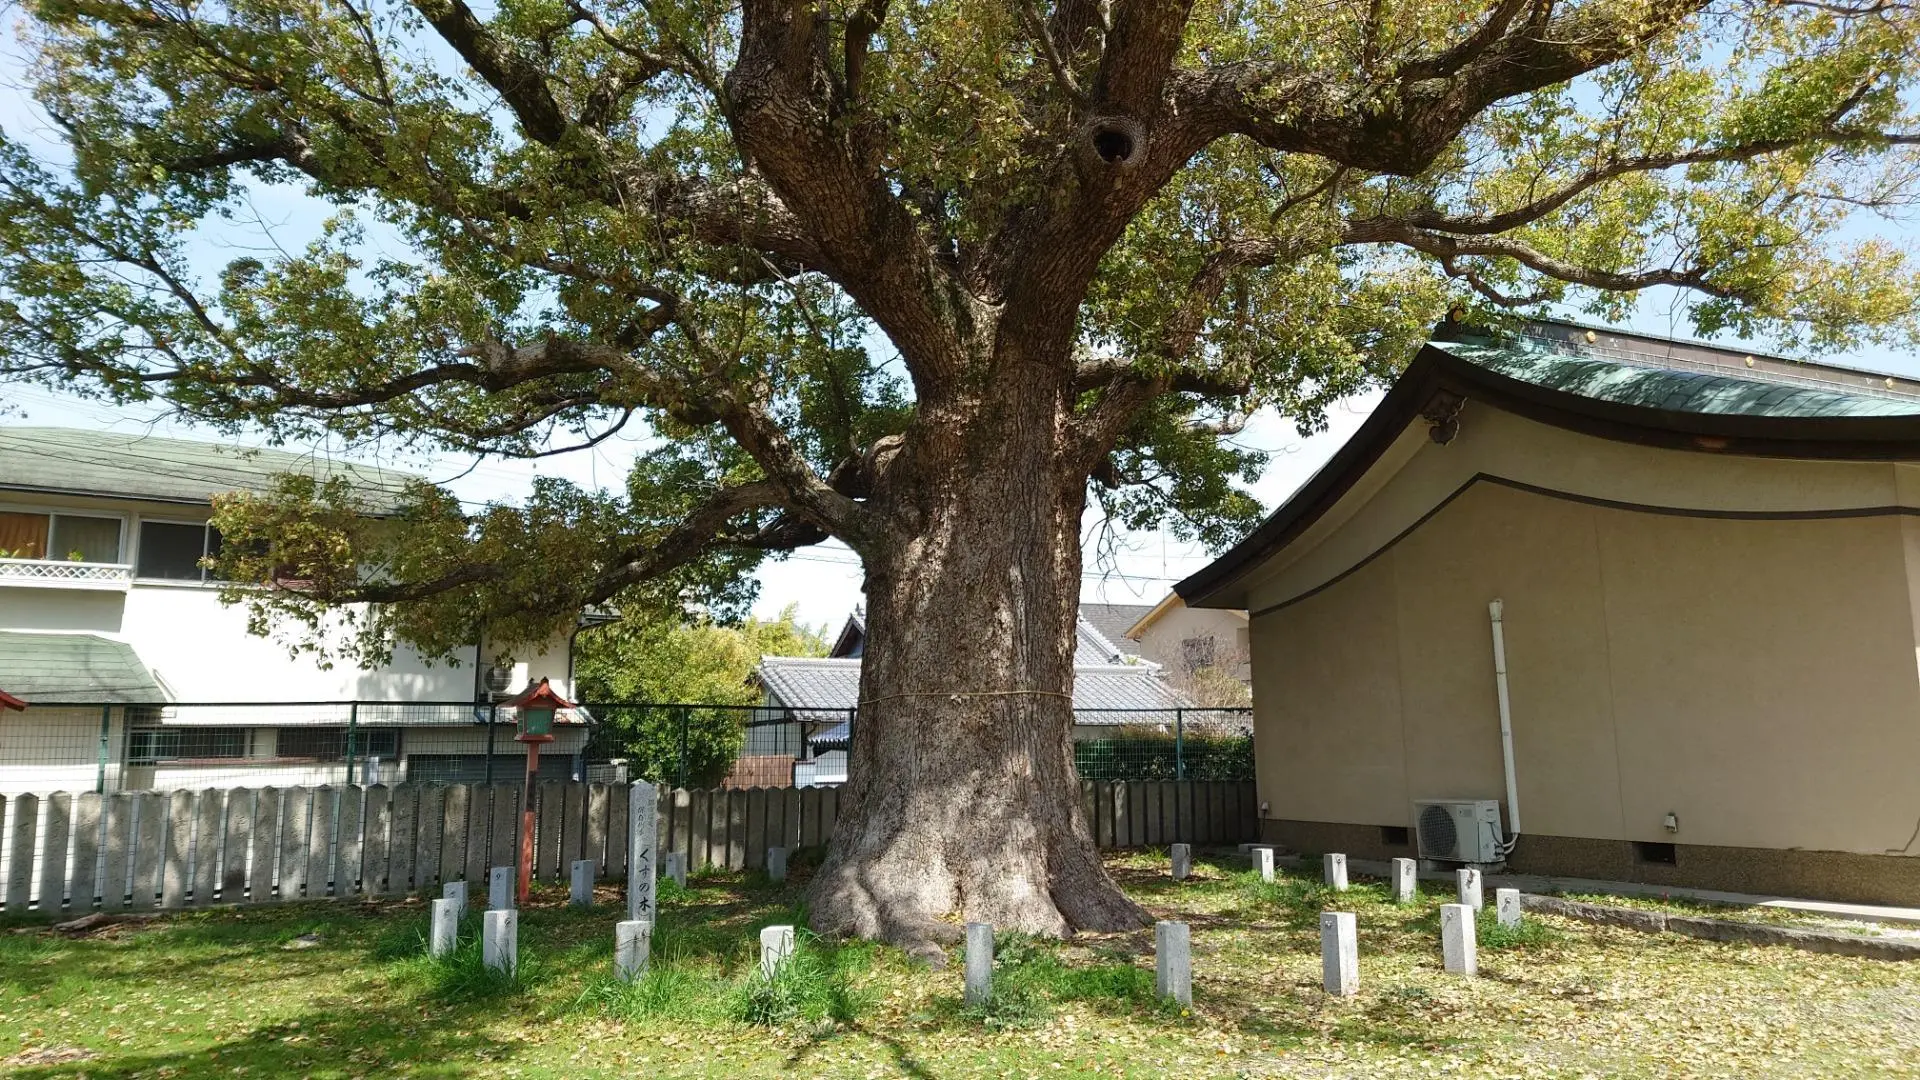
{"x":56,"y":573}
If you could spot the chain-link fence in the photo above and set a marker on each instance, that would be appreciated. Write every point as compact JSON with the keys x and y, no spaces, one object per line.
{"x":120,"y":747}
{"x":1163,"y":744}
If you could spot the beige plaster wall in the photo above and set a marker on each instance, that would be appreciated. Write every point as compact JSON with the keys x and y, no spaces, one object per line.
{"x":1417,"y":474}
{"x":1163,"y":641}
{"x":1758,"y":678}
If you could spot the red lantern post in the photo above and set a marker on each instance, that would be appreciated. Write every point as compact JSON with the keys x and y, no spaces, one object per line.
{"x":535,"y":711}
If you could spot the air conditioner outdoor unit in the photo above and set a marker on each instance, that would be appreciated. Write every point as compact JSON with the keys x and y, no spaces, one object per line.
{"x":1459,"y":830}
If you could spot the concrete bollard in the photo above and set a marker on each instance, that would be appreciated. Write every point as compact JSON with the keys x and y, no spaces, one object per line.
{"x":1406,"y":880}
{"x":674,"y":865}
{"x":1506,"y":906}
{"x":1457,"y":940}
{"x":500,"y":888}
{"x":979,"y":963}
{"x":1182,"y":855}
{"x":1173,"y":961}
{"x":456,"y":891}
{"x":1333,"y":870}
{"x":776,"y":945}
{"x":1339,"y":953}
{"x":1469,"y":879}
{"x":776,"y":864}
{"x":632,"y":942}
{"x":500,"y":940}
{"x":1263,"y":862}
{"x":446,"y":927}
{"x":584,"y":871}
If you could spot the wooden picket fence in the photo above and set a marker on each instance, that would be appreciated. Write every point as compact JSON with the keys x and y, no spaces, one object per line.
{"x":137,"y":850}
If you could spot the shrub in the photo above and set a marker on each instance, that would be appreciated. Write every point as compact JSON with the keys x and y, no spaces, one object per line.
{"x":814,"y":984}
{"x":663,"y":991}
{"x":1029,"y":979}
{"x":1491,"y":935}
{"x":463,"y":976}
{"x":1296,"y":894}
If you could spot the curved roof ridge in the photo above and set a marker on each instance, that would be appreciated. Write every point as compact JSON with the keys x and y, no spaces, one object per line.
{"x":1726,"y":411}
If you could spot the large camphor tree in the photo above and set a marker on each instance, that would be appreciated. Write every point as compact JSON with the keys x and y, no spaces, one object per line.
{"x":922,"y":275}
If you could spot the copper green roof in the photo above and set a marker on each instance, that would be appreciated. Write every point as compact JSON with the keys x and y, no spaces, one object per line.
{"x":54,"y":669}
{"x":1626,"y":381}
{"x":137,"y":466}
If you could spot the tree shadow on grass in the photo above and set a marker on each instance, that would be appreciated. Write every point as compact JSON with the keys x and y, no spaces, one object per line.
{"x":336,"y":1042}
{"x":200,"y":952}
{"x":903,"y":1058}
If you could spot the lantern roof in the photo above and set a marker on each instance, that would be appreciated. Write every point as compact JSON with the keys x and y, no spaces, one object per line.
{"x":538,"y":696}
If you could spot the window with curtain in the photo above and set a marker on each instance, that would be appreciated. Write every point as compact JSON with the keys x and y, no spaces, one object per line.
{"x":85,"y":539}
{"x":61,"y":537}
{"x":23,"y":536}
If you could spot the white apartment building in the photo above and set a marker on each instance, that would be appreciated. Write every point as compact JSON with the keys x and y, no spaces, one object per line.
{"x":136,"y":676}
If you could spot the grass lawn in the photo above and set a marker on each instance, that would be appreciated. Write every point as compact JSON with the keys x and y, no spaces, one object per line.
{"x":344,"y":990}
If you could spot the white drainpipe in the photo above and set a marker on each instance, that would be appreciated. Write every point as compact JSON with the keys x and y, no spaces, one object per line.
{"x":1506,"y":720}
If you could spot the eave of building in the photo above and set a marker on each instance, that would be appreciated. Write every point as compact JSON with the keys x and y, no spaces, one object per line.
{"x":1168,"y":603}
{"x":1431,"y":390}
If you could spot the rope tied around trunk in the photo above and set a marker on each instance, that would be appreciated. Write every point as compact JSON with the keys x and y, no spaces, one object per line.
{"x":963,"y":693}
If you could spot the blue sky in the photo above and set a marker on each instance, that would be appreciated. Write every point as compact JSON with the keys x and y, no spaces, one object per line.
{"x":823,"y":581}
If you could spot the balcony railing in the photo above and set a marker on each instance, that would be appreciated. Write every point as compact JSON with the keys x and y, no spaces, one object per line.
{"x":59,"y":574}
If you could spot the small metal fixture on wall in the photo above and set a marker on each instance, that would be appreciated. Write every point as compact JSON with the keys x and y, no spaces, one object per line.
{"x":499,"y":678}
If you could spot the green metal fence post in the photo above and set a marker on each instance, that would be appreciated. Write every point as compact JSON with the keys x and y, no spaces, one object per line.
{"x":680,"y":767}
{"x":1179,"y":745}
{"x":106,"y":725}
{"x":353,"y":729}
{"x":493,"y":716}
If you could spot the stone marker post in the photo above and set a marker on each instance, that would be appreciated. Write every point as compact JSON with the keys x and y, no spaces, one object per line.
{"x":1173,"y":961}
{"x":674,"y":865}
{"x":776,"y":864}
{"x":456,"y":891}
{"x":1470,"y":888}
{"x":776,"y":946}
{"x":632,"y":941}
{"x":500,"y":888}
{"x":979,"y":963}
{"x":1333,"y":869}
{"x":1506,"y":905}
{"x":1339,"y":953}
{"x":1406,"y":880}
{"x":1263,"y":862}
{"x":643,"y":814}
{"x":500,"y":940}
{"x":1457,"y":939}
{"x":446,"y":927}
{"x":1182,"y":861}
{"x":583,"y":875}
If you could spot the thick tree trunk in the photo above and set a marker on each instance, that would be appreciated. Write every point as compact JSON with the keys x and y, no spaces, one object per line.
{"x":961,"y":796}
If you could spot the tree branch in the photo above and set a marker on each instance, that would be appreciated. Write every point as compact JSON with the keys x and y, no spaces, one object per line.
{"x":1401,"y":127}
{"x":1129,"y":387}
{"x":696,"y":534}
{"x":520,"y":83}
{"x":1050,"y":52}
{"x":781,"y":109}
{"x":1140,"y":50}
{"x":1506,"y":220}
{"x":1444,"y":247}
